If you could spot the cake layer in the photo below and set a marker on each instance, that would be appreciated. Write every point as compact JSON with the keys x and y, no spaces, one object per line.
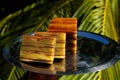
{"x":60,"y":42}
{"x":60,"y":37}
{"x":64,"y":20}
{"x":28,"y":53}
{"x":62,"y":26}
{"x":60,"y":45}
{"x":34,"y":52}
{"x":36,"y":56}
{"x":71,"y":35}
{"x":29,"y":40}
{"x":47,"y":50}
{"x":68,"y":26}
{"x":29,"y":48}
{"x":60,"y":52}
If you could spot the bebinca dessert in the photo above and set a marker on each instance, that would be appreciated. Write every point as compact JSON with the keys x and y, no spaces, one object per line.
{"x":68,"y":26}
{"x":60,"y":42}
{"x":37,"y":49}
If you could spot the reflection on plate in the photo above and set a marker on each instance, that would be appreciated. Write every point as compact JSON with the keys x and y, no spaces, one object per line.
{"x":58,"y":66}
{"x":94,"y":53}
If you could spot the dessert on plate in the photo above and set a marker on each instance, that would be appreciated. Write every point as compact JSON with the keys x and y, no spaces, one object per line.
{"x":68,"y":26}
{"x":37,"y":49}
{"x":57,"y":47}
{"x":60,"y":42}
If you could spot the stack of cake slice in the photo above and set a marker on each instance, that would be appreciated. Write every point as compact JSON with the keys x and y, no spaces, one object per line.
{"x":37,"y":49}
{"x":47,"y":47}
{"x":68,"y":26}
{"x":60,"y":42}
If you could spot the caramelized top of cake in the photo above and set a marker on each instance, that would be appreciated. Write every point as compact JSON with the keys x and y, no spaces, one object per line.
{"x":63,"y":25}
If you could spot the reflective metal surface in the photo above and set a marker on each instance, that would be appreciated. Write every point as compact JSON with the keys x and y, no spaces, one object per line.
{"x":94,"y":53}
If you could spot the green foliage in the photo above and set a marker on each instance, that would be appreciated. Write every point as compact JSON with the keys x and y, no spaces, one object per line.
{"x":98,"y":16}
{"x":20,"y":22}
{"x":10,"y":72}
{"x":87,"y":76}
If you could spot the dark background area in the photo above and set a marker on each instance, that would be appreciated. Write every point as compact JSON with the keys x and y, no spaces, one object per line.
{"x":10,"y":6}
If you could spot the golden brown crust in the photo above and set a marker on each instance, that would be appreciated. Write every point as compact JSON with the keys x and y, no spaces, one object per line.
{"x":39,"y":48}
{"x":60,"y":42}
{"x":64,"y":20}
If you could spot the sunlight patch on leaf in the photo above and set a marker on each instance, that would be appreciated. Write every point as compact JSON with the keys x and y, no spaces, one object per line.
{"x":16,"y":73}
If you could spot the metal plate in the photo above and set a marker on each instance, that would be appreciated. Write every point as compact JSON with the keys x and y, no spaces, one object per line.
{"x":94,"y":52}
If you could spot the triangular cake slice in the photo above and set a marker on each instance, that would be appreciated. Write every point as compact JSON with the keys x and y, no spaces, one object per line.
{"x":60,"y":42}
{"x":30,"y":50}
{"x":68,"y":26}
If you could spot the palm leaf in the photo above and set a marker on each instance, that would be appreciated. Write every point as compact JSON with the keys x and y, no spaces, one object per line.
{"x":20,"y":22}
{"x":112,"y":21}
{"x":99,"y":17}
{"x":31,"y":23}
{"x":52,"y":11}
{"x":10,"y":72}
{"x":16,"y":73}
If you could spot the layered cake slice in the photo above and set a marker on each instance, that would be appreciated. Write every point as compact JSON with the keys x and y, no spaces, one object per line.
{"x":32,"y":52}
{"x":60,"y":42}
{"x":68,"y":26}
